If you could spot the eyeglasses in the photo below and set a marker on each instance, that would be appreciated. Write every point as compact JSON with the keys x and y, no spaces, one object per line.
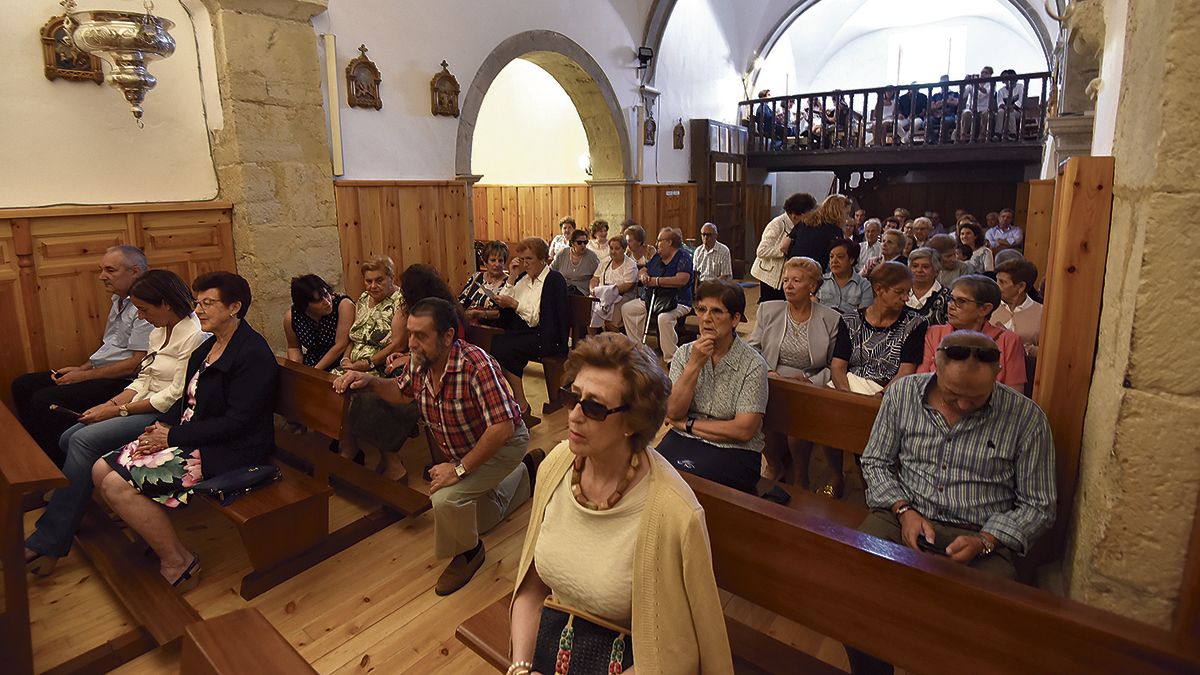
{"x":591,"y":409}
{"x":206,"y":303}
{"x":581,"y":242}
{"x":963,"y":352}
{"x":961,"y":302}
{"x":146,"y":361}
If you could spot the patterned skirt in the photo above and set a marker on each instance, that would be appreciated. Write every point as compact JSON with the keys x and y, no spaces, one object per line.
{"x":166,"y":476}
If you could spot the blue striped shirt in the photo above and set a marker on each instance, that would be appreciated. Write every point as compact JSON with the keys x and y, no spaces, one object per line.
{"x":993,"y":469}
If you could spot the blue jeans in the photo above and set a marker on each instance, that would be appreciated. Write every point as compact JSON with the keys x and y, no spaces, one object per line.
{"x":82,"y":444}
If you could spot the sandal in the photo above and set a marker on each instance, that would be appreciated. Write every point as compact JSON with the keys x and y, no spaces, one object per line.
{"x":190,"y":577}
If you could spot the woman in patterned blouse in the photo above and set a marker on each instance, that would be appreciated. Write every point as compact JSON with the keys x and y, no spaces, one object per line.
{"x":476,"y":296}
{"x":882,"y":343}
{"x":317,"y":325}
{"x":379,"y":319}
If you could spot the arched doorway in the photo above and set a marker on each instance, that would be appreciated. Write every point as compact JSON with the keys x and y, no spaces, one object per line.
{"x":590,"y":91}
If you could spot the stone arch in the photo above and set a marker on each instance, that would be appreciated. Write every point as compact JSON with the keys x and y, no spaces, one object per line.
{"x":585,"y":83}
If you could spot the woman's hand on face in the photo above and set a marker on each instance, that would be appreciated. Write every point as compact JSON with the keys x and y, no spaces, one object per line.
{"x":99,"y":413}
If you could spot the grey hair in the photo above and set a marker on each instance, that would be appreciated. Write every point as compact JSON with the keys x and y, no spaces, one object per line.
{"x":134,"y":258}
{"x":808,"y":265}
{"x":935,"y":258}
{"x":872,"y":220}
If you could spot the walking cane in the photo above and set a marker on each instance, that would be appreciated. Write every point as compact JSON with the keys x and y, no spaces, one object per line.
{"x":649,"y":315}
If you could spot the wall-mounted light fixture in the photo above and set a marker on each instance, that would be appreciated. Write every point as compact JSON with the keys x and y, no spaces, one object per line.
{"x":644,"y":56}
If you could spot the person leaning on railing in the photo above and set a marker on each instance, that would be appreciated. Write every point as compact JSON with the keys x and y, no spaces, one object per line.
{"x":616,"y":540}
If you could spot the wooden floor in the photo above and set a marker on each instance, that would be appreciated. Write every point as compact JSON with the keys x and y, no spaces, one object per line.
{"x":370,"y":609}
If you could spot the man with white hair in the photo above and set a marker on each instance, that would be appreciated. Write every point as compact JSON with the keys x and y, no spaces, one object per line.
{"x":712,"y":259}
{"x":872,"y":243}
{"x":105,"y":373}
{"x":959,"y":466}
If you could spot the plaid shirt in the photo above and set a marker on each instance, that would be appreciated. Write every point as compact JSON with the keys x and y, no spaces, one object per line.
{"x":473,"y":397}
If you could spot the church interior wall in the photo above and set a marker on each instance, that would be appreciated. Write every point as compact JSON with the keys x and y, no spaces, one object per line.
{"x":69,"y":142}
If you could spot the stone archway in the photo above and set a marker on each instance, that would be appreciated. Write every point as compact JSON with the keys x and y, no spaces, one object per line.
{"x":590,"y":91}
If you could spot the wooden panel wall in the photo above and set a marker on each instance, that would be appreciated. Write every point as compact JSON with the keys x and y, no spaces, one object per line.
{"x":944,"y":198}
{"x":1036,"y":215}
{"x":512,"y":212}
{"x":52,"y":307}
{"x":411,"y":221}
{"x":666,"y":205}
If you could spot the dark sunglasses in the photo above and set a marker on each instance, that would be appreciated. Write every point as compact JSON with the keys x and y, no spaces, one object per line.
{"x":591,"y":409}
{"x":581,"y":242}
{"x":962,"y":353}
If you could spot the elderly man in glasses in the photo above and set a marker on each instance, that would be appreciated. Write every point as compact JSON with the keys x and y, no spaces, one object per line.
{"x":958,"y":465}
{"x":718,"y":395}
{"x":712,"y":259}
{"x":973,"y":298}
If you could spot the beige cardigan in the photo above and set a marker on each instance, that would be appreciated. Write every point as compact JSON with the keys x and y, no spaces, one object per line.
{"x":678,"y":624}
{"x":768,"y":261}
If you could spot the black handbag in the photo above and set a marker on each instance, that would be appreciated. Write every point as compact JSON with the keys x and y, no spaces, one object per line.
{"x":229,"y":486}
{"x":660,"y":300}
{"x":573,"y":641}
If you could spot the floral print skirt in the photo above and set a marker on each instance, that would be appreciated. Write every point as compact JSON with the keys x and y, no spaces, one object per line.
{"x":166,"y":476}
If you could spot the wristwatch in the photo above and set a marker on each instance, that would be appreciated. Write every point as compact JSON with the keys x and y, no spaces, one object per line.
{"x":460,"y":470}
{"x":124,"y":412}
{"x":690,"y":422}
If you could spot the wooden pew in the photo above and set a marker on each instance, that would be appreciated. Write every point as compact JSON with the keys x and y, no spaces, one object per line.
{"x":921,"y":612}
{"x":823,"y":415}
{"x":552,"y":366}
{"x":241,"y":642}
{"x":24,"y":470}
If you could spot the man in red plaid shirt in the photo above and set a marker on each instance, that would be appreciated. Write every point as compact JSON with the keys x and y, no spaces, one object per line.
{"x":473,"y":418}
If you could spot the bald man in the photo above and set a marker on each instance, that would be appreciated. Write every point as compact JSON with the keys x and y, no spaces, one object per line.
{"x":958,"y":466}
{"x":712,"y":260}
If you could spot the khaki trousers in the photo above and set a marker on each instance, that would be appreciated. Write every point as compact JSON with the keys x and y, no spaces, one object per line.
{"x":478,"y":502}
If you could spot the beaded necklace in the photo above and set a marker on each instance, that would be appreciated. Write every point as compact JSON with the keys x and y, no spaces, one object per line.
{"x":577,"y":489}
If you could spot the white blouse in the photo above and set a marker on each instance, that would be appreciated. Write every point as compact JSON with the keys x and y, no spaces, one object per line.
{"x":160,"y":379}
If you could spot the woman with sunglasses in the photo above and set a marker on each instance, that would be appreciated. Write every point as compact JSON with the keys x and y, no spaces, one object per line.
{"x":616,"y":538}
{"x":973,"y":298}
{"x":224,"y":422}
{"x":578,"y":263}
{"x":164,"y":301}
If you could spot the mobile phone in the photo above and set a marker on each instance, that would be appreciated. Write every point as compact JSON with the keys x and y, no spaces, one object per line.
{"x":66,"y":411}
{"x":929,"y":547}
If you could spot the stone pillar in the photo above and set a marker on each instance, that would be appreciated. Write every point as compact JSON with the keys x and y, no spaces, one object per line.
{"x":272,"y":155}
{"x":1140,"y":464}
{"x":612,"y":200}
{"x":1071,"y":136}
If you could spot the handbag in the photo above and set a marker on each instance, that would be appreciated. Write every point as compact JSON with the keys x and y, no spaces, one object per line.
{"x":661,"y":300}
{"x":228,"y":486}
{"x":573,"y":641}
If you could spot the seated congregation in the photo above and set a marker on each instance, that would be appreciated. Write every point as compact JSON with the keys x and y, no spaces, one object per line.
{"x":616,"y":569}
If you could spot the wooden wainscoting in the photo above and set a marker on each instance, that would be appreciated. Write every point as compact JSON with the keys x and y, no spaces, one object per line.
{"x":52,"y":307}
{"x":666,"y":205}
{"x":411,"y":221}
{"x":513,"y":212}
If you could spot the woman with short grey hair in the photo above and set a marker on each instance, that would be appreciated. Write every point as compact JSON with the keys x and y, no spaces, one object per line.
{"x":928,"y":297}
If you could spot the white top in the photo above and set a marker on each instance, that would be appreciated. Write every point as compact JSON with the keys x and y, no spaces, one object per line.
{"x":712,"y":264}
{"x":586,"y":557}
{"x":161,"y":378}
{"x":917,"y":303}
{"x":983,"y":260}
{"x":600,"y":249}
{"x":557,"y":244}
{"x":528,"y":293}
{"x":611,"y":275}
{"x":1012,"y":236}
{"x":1029,"y":303}
{"x":868,"y":251}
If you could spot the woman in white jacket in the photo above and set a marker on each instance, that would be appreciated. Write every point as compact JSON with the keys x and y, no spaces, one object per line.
{"x":774,"y":244}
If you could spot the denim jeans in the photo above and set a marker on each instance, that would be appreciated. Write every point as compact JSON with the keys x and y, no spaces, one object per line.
{"x":82,"y":444}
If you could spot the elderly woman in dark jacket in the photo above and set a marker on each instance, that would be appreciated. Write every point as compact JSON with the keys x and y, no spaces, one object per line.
{"x":222,"y":423}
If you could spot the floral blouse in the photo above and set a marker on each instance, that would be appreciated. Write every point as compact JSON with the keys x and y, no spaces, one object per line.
{"x":372,"y":328}
{"x":473,"y":296}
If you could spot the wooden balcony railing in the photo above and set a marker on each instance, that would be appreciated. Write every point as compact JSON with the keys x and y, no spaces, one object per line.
{"x":968,"y":112}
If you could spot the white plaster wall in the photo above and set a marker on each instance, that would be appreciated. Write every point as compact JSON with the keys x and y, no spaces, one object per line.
{"x":1116,"y":13}
{"x":408,"y":39}
{"x":528,"y":131}
{"x":76,"y":143}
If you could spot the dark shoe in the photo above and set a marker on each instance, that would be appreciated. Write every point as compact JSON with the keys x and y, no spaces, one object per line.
{"x":532,"y":460}
{"x":425,"y":473}
{"x":777,"y":495}
{"x":190,"y":577}
{"x":460,"y":570}
{"x":529,"y":419}
{"x":41,"y":565}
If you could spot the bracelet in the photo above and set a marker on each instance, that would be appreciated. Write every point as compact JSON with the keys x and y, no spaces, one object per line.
{"x":520,"y":668}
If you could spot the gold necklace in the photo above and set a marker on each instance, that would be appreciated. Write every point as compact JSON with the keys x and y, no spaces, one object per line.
{"x":577,"y":489}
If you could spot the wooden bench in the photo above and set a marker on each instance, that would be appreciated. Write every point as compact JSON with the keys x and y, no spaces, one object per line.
{"x":921,"y":612}
{"x":554,"y":367}
{"x":241,"y":642}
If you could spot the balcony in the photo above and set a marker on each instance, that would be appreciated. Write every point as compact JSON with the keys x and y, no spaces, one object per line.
{"x":997,"y":120}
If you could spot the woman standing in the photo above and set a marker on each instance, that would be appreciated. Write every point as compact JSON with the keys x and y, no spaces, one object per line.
{"x":841,"y":287}
{"x":619,"y":273}
{"x":928,"y":297}
{"x":773,"y":246}
{"x":317,"y":325}
{"x":223,"y":423}
{"x":814,"y":233}
{"x":578,"y":264}
{"x":164,"y":301}
{"x":982,"y":260}
{"x":616,"y":541}
{"x":796,"y":337}
{"x":478,"y":295}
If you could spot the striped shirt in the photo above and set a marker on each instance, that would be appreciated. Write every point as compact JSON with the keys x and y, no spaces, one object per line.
{"x":993,"y":469}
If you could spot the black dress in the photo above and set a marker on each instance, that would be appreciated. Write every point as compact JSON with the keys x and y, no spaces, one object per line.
{"x":317,"y":337}
{"x":813,"y":241}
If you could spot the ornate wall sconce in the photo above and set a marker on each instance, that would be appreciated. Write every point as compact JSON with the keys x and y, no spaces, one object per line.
{"x":362,"y":82}
{"x":443,"y":92}
{"x":127,"y":41}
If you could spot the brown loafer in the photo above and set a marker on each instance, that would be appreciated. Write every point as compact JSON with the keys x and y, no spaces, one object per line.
{"x":459,"y":572}
{"x":532,"y":460}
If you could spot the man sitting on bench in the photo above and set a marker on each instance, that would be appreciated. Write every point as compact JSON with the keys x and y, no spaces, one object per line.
{"x":958,"y":465}
{"x":473,"y":418}
{"x":719,"y":395}
{"x":105,"y":374}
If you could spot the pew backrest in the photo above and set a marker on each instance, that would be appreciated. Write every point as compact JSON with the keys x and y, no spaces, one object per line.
{"x":305,"y":395}
{"x":923,"y":613}
{"x":823,"y":415}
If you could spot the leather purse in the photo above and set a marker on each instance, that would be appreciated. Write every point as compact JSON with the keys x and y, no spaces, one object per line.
{"x":229,"y":486}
